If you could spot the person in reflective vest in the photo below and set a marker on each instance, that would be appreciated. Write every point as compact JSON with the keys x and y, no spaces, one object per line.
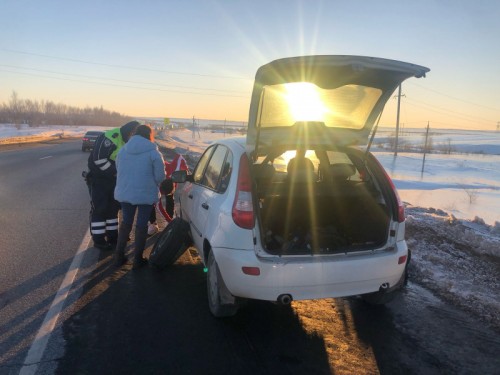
{"x":104,"y":208}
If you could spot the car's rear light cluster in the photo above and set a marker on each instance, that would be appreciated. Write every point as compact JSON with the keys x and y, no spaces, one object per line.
{"x":243,"y":215}
{"x":401,"y":207}
{"x":252,"y":271}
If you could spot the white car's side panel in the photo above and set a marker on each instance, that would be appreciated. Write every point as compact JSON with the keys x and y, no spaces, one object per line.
{"x":222,"y":232}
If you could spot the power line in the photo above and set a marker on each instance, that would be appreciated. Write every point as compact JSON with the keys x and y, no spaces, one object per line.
{"x":432,"y":108}
{"x":448,"y":112}
{"x":119,"y":80}
{"x":125,"y":86}
{"x":452,"y":97}
{"x":120,"y":66}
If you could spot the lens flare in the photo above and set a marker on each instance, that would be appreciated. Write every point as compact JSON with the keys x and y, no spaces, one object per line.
{"x":304,"y":102}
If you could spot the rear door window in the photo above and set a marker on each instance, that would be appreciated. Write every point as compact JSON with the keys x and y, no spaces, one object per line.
{"x":202,"y":163}
{"x":218,"y":171}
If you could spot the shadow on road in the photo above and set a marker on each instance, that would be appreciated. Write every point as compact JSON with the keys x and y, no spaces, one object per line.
{"x":15,"y":331}
{"x":158,"y":322}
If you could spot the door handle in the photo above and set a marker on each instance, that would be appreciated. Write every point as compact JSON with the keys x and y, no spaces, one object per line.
{"x":205,"y":206}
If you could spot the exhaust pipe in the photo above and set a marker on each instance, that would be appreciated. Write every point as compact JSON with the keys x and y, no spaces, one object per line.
{"x":285,"y":299}
{"x":384,"y":287}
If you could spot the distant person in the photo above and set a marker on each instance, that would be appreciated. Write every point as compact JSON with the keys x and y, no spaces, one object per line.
{"x":141,"y":169}
{"x":102,"y":181}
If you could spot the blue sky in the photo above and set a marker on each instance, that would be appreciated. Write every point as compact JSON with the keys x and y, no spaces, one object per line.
{"x":199,"y":57}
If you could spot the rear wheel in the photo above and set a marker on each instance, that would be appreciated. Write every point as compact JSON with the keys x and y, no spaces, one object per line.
{"x":215,"y":289}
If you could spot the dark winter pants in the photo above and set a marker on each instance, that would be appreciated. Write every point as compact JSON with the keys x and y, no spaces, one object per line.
{"x":141,"y":226}
{"x":169,"y":204}
{"x":143,"y":213}
{"x":104,"y":211}
{"x":152,"y":216}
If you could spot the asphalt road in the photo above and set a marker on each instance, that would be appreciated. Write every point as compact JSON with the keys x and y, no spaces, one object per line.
{"x":43,"y":219}
{"x":119,"y":321}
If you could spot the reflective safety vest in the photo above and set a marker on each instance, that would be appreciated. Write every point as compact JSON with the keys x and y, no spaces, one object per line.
{"x":115,"y":136}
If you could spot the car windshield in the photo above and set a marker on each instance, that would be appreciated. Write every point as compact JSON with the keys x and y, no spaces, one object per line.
{"x":346,"y":106}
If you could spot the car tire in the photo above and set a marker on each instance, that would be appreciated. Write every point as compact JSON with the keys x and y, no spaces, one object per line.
{"x":215,"y":286}
{"x":84,"y":149}
{"x":171,"y":244}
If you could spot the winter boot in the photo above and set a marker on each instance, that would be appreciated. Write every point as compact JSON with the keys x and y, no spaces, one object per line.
{"x":123,"y":235}
{"x":141,"y":234}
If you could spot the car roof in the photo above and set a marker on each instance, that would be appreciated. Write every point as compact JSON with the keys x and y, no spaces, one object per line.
{"x":237,"y":141}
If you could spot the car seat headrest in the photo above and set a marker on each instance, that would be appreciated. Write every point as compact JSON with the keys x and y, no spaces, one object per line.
{"x":300,"y":169}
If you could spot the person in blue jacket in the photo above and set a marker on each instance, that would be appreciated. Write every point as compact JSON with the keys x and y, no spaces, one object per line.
{"x":140,"y":170}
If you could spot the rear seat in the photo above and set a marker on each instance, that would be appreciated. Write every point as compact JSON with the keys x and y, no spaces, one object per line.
{"x":341,"y":171}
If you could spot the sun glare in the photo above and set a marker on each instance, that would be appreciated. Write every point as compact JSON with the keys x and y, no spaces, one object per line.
{"x":304,"y":102}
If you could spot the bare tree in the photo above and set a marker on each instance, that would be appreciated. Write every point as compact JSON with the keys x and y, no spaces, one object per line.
{"x":20,"y":111}
{"x":447,"y":148}
{"x":15,"y":109}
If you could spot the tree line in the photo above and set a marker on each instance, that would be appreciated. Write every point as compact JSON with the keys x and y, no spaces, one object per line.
{"x":34,"y":113}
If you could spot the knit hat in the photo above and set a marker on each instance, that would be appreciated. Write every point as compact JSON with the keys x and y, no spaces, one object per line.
{"x":128,"y":129}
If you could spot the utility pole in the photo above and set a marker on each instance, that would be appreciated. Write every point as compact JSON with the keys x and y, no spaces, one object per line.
{"x":425,"y":149}
{"x":193,"y":128}
{"x":397,"y":122}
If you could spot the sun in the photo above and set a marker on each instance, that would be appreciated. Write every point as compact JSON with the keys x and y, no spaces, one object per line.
{"x":304,"y":102}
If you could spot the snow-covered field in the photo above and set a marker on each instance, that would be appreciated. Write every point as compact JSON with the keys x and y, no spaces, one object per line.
{"x":452,"y":207}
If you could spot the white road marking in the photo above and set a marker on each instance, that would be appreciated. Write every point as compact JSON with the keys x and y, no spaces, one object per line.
{"x":45,"y":157}
{"x":39,"y":344}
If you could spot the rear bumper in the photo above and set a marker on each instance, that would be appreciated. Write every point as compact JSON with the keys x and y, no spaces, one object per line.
{"x":311,"y":277}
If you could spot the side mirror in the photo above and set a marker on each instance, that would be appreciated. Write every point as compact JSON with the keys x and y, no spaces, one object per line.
{"x":181,"y":177}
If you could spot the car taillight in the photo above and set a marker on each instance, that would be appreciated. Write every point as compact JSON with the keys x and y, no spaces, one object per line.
{"x":243,"y":204}
{"x":401,"y":207}
{"x":85,"y":139}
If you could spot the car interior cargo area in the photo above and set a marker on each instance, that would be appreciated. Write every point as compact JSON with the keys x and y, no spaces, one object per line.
{"x":319,"y":202}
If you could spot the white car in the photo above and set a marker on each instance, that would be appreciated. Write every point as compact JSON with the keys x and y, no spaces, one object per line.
{"x":300,"y":209}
